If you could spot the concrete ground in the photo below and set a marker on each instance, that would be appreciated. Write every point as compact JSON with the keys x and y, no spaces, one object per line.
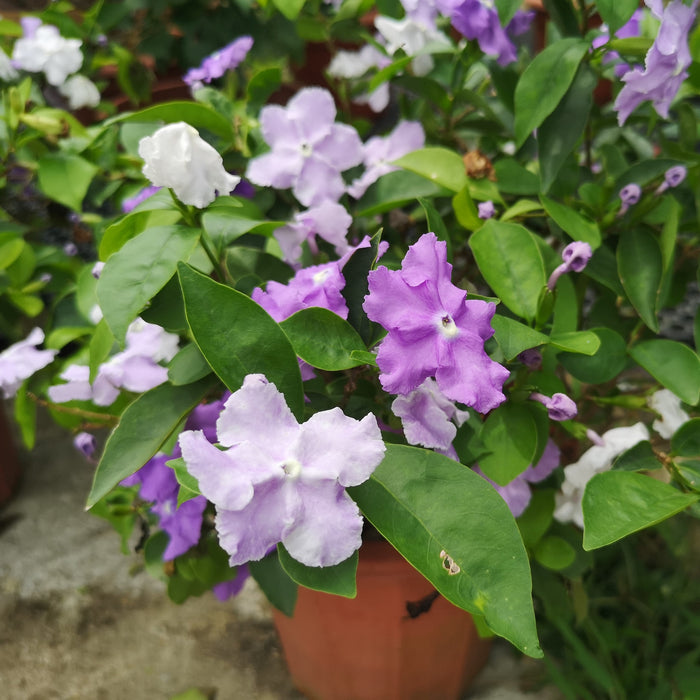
{"x":79,"y":620}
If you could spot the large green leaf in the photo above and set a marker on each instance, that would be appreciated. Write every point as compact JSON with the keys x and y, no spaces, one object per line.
{"x":616,"y":13}
{"x":338,"y":579}
{"x":323,"y":339}
{"x":544,"y":83}
{"x":127,"y":227}
{"x":141,"y":268}
{"x":584,"y":342}
{"x":686,"y":440}
{"x":396,"y":189}
{"x":275,"y":583}
{"x":452,"y":526}
{"x":65,"y":178}
{"x":439,"y":165}
{"x":577,"y":226}
{"x":237,"y":337}
{"x":640,"y":269}
{"x":607,"y":362}
{"x":675,"y":365}
{"x":511,"y":262}
{"x":618,"y":503}
{"x":143,"y":428}
{"x":514,"y":337}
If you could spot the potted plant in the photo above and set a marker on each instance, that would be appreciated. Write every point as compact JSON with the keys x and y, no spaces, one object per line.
{"x":447,"y":326}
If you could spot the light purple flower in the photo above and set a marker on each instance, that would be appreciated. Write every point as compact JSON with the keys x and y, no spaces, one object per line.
{"x":575,"y":256}
{"x":477,"y":20}
{"x":630,"y":29}
{"x":666,"y":63}
{"x":629,"y":195}
{"x":228,"y":589}
{"x":308,"y":149}
{"x":559,"y":406}
{"x":517,"y":493}
{"x":380,"y":151}
{"x":531,"y":358}
{"x":520,"y":23}
{"x":672,"y":178}
{"x":428,"y":417}
{"x":433,"y":330}
{"x":218,"y":63}
{"x":21,"y":360}
{"x":486,"y":209}
{"x":85,"y":443}
{"x":280,"y":481}
{"x":142,"y":195}
{"x":329,"y":220}
{"x":355,"y":64}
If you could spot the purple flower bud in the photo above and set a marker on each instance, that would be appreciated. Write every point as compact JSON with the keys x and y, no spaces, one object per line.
{"x":531,"y":358}
{"x":85,"y":443}
{"x":629,"y":194}
{"x":97,"y":269}
{"x":672,"y":178}
{"x":70,"y":249}
{"x":486,"y":209}
{"x":559,"y":406}
{"x":576,"y":255}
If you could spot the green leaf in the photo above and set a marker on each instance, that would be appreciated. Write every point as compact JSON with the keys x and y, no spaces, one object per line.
{"x":563,"y":15}
{"x":513,"y":178}
{"x":323,"y":339}
{"x":434,"y":223}
{"x":252,"y":267}
{"x":584,"y":342}
{"x":554,"y":553}
{"x":141,"y":268}
{"x":618,"y":503}
{"x":559,"y":133}
{"x":571,"y":222}
{"x":275,"y":583}
{"x":338,"y":579}
{"x":640,"y":269}
{"x":673,"y":364}
{"x":506,"y":10}
{"x":443,"y":518}
{"x":65,"y":178}
{"x":537,"y":518}
{"x":143,"y":428}
{"x":188,"y":366}
{"x":100,"y":346}
{"x":686,"y":440}
{"x":509,"y":435}
{"x":396,"y":189}
{"x":237,"y":337}
{"x":129,"y":226}
{"x":520,"y":208}
{"x":544,"y":83}
{"x":606,"y":364}
{"x":616,"y":13}
{"x":439,"y":165}
{"x":25,"y":415}
{"x":514,"y":337}
{"x":465,"y":210}
{"x":511,"y":263}
{"x":639,"y":458}
{"x":184,"y":478}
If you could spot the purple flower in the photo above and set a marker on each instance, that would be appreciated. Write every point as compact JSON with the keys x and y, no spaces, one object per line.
{"x":629,"y":195}
{"x":666,"y":63}
{"x":280,"y":481}
{"x":228,"y":589}
{"x":218,"y":63}
{"x":559,"y":406}
{"x":672,"y":178}
{"x":85,"y":443}
{"x":329,"y":220}
{"x":520,"y":23}
{"x":70,"y":249}
{"x":486,"y":209}
{"x":142,"y":195}
{"x":308,"y":149}
{"x":517,"y":493}
{"x":380,"y":151}
{"x":478,"y":20}
{"x":575,"y":256}
{"x":433,"y":330}
{"x":531,"y":358}
{"x":628,"y":30}
{"x":21,"y":360}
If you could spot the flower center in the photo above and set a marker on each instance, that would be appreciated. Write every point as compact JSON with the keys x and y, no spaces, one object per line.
{"x":306,"y":149}
{"x":292,"y":468}
{"x":447,"y":326}
{"x":320,"y":277}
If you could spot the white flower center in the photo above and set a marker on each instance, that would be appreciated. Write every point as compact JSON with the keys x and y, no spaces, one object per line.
{"x":292,"y":468}
{"x":320,"y":277}
{"x":447,"y":326}
{"x":306,"y":149}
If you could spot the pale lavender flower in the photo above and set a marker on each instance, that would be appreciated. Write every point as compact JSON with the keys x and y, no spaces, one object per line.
{"x":666,"y":63}
{"x":142,"y":195}
{"x":85,"y":443}
{"x":629,"y":195}
{"x":21,"y":360}
{"x":486,"y":209}
{"x":559,"y":406}
{"x":355,"y":64}
{"x":478,"y":20}
{"x":575,"y":258}
{"x":329,"y":220}
{"x":280,"y":481}
{"x":671,"y":416}
{"x":219,"y":62}
{"x":380,"y":151}
{"x":97,"y":268}
{"x":672,"y":178}
{"x":433,"y":330}
{"x":309,"y":150}
{"x":630,"y":29}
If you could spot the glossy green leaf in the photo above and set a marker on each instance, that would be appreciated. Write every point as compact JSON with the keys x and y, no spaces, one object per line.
{"x":511,"y":263}
{"x":237,"y":337}
{"x":616,"y":13}
{"x":143,"y":428}
{"x":577,"y":226}
{"x":618,"y":503}
{"x":99,"y":348}
{"x":544,"y":83}
{"x":584,"y":342}
{"x":275,"y":583}
{"x":509,"y":435}
{"x":443,"y":518}
{"x":513,"y":178}
{"x":188,"y":366}
{"x":686,"y":440}
{"x":65,"y":178}
{"x":520,"y":208}
{"x":129,"y":226}
{"x":639,"y":458}
{"x":439,"y":165}
{"x":396,"y":189}
{"x":514,"y":337}
{"x":673,"y":364}
{"x":559,"y":133}
{"x":338,"y":579}
{"x":465,"y":210}
{"x":640,"y":269}
{"x":323,"y":339}
{"x":604,"y":365}
{"x":184,"y":478}
{"x":136,"y":272}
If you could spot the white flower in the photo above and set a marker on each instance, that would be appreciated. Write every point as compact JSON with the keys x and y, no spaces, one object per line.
{"x":80,"y":92}
{"x":597,"y":459}
{"x":354,"y":64}
{"x":46,"y":50}
{"x":176,"y":156}
{"x":7,"y":71}
{"x":668,"y":406}
{"x":21,"y":360}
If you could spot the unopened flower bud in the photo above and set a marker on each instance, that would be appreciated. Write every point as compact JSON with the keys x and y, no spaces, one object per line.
{"x":630,"y":195}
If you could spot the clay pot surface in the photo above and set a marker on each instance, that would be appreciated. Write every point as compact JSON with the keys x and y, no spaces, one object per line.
{"x":370,"y":648}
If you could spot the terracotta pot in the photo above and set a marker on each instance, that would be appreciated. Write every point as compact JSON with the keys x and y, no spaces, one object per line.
{"x":9,"y":460}
{"x":370,"y":648}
